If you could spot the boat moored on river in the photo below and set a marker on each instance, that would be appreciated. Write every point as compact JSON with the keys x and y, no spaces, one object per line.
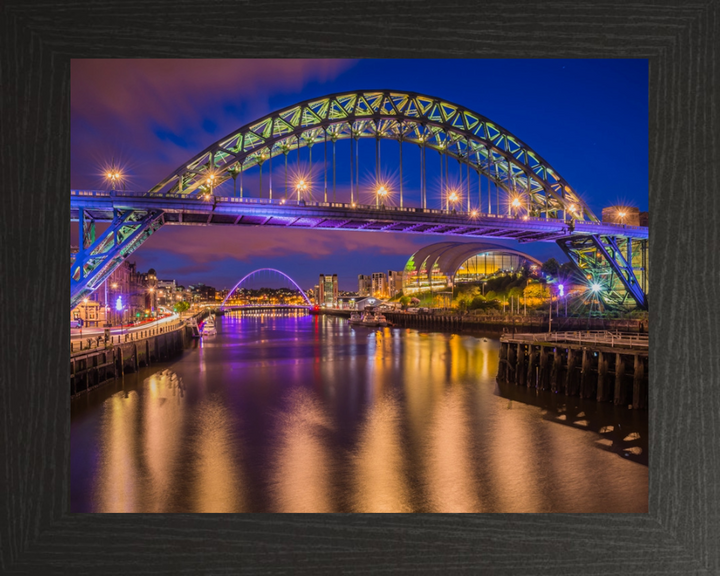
{"x":208,"y":328}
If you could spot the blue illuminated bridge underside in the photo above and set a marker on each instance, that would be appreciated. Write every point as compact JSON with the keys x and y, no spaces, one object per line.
{"x":103,"y":205}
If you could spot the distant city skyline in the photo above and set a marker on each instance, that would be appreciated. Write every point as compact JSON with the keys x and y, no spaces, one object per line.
{"x":588,"y":118}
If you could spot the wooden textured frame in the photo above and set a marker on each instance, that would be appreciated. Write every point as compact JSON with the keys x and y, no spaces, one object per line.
{"x":681,"y":533}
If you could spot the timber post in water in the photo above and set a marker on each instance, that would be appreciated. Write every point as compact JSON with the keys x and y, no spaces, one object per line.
{"x":606,"y":366}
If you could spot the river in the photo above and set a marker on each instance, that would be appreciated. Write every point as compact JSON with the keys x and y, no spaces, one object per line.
{"x":287,"y":412}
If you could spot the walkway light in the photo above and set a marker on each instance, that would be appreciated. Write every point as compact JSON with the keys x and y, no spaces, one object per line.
{"x":452,"y":197}
{"x":595,"y":287}
{"x":115,"y":176}
{"x":516,"y":203}
{"x":301,"y":188}
{"x":474,"y":213}
{"x":381,"y":193}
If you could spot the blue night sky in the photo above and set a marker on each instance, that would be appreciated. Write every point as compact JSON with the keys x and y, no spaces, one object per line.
{"x":587,"y":118}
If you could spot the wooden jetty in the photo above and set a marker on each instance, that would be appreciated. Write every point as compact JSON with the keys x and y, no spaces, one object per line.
{"x":605,"y":366}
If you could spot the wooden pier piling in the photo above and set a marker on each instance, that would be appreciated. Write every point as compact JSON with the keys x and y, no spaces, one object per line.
{"x":607,"y":367}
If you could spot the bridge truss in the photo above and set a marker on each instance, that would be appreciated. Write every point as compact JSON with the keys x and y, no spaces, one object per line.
{"x":537,"y":205}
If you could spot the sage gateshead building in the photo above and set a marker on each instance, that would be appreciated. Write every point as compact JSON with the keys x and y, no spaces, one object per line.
{"x":442,"y":265}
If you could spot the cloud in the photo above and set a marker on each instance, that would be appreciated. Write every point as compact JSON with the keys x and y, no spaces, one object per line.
{"x":151,"y":115}
{"x":204,"y":244}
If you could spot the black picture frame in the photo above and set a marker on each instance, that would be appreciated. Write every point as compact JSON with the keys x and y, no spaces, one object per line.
{"x":679,"y":535}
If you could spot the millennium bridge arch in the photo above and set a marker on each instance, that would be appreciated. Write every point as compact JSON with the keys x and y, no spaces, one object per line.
{"x":251,"y":274}
{"x":429,"y":122}
{"x":537,"y":203}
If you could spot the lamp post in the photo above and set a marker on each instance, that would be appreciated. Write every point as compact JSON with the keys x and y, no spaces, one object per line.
{"x":115,"y":176}
{"x":211,"y":179}
{"x":120,"y":308}
{"x":381,"y":193}
{"x":452,"y":197}
{"x":301,"y":188}
{"x":516,"y":206}
{"x":596,"y":289}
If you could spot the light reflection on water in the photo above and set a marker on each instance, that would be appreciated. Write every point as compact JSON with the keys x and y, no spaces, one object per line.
{"x":296,"y":413}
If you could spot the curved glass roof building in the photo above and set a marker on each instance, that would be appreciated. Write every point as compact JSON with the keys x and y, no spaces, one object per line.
{"x":441,"y":265}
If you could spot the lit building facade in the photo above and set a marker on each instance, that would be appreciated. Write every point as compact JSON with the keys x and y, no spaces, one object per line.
{"x":166,"y":292}
{"x":442,"y":265}
{"x":328,"y":291}
{"x":395,"y":283}
{"x":625,"y":215}
{"x":124,"y":296}
{"x":364,"y":285}
{"x":379,"y":285}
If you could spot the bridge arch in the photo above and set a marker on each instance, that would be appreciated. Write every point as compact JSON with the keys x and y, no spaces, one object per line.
{"x":305,"y":296}
{"x":427,"y":121}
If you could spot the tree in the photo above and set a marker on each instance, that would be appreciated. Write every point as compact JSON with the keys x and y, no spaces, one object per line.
{"x":180,"y":307}
{"x":525,"y":270}
{"x":551,"y":267}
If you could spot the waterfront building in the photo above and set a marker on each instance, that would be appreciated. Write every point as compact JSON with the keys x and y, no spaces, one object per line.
{"x":328,"y":291}
{"x":166,"y":292}
{"x":135,"y":291}
{"x":625,"y":215}
{"x":364,"y":285}
{"x":379,"y":285}
{"x":440,"y":266}
{"x":90,"y":312}
{"x":347,"y":302}
{"x":395,"y":285}
{"x":202,"y":293}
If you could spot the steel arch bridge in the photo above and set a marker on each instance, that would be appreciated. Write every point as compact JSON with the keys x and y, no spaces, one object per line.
{"x":430,"y":123}
{"x":247,"y":276}
{"x":538,"y":204}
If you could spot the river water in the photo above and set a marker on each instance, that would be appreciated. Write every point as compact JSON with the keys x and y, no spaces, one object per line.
{"x":285,"y":412}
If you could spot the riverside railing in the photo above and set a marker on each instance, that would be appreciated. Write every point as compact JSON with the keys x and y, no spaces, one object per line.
{"x":605,"y":337}
{"x":99,"y":342}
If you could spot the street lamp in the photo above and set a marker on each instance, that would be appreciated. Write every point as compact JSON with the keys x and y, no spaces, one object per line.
{"x":301,"y":188}
{"x":115,"y":176}
{"x":622,"y":215}
{"x":516,"y":205}
{"x":452,"y":197}
{"x":381,"y":193}
{"x":120,"y":308}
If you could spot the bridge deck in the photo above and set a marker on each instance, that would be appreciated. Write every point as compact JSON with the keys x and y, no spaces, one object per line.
{"x":229,"y":211}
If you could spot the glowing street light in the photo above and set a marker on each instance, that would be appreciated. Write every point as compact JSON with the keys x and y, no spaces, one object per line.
{"x":211,"y":181}
{"x":115,"y":177}
{"x":595,"y":287}
{"x":474,"y":214}
{"x":381,"y":193}
{"x":452,"y":197}
{"x":622,"y":215}
{"x":516,"y":204}
{"x":301,"y":188}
